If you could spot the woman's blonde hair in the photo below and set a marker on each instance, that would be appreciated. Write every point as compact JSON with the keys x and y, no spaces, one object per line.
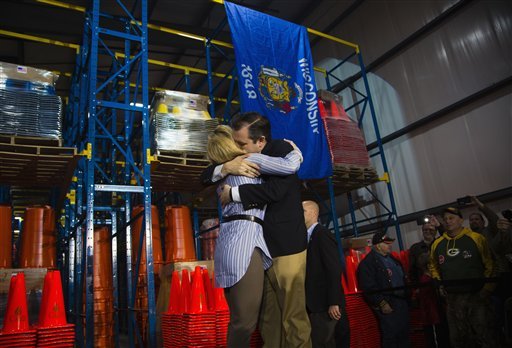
{"x":221,"y":145}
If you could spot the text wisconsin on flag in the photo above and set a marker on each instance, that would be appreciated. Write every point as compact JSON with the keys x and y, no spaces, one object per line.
{"x":276,"y":79}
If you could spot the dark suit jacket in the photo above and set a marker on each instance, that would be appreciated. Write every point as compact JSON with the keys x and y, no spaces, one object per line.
{"x":323,"y":272}
{"x":284,"y":228}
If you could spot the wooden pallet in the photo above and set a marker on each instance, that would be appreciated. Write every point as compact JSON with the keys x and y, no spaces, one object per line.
{"x":34,"y":165}
{"x":178,"y":171}
{"x":194,"y":159}
{"x":24,"y":140}
{"x":346,"y":179}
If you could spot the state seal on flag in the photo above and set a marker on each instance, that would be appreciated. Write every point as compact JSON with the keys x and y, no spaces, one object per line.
{"x":278,"y":90}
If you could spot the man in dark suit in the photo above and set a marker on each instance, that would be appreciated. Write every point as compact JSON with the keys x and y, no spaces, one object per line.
{"x":283,"y":321}
{"x":325,"y":299}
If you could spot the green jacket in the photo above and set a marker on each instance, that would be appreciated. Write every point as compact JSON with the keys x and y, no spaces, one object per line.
{"x":464,"y":257}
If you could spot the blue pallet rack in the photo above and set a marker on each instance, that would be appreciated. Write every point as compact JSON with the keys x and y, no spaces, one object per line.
{"x":108,"y":119}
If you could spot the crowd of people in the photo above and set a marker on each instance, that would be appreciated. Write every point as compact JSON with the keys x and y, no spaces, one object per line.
{"x":282,"y":272}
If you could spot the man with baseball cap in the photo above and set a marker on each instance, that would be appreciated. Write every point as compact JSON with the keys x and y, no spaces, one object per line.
{"x":382,"y":279}
{"x":462,"y":259}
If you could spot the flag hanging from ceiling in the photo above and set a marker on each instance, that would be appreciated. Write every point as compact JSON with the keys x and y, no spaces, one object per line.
{"x":276,"y":79}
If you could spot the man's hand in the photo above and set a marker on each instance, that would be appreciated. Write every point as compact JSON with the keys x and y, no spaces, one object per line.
{"x":334,"y":312}
{"x":432,"y":220}
{"x":504,"y":224}
{"x":238,"y":166}
{"x":476,"y":201}
{"x":225,"y":195}
{"x":385,"y":308}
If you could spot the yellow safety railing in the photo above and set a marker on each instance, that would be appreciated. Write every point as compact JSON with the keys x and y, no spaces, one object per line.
{"x":40,"y":39}
{"x":190,"y":35}
{"x":318,"y":33}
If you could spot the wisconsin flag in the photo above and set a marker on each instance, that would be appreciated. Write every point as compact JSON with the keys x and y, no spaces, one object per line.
{"x":276,"y":79}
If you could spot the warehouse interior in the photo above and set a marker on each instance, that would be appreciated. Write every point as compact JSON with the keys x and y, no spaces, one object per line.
{"x":437,"y":74}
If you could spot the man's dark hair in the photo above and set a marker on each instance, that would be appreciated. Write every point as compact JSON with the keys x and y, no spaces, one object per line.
{"x":259,"y":126}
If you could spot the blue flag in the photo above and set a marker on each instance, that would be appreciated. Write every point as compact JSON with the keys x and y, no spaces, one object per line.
{"x":276,"y":79}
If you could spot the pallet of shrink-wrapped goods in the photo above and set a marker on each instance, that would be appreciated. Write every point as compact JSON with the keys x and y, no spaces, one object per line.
{"x":181,"y":122}
{"x":180,"y":125}
{"x":29,"y":105}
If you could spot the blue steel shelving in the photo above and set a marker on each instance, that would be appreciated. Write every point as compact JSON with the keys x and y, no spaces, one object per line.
{"x":108,"y":119}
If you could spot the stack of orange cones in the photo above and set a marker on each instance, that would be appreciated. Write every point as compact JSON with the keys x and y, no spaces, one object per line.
{"x":31,"y":251}
{"x":16,"y":331}
{"x":199,"y":321}
{"x":103,"y":288}
{"x":208,"y":289}
{"x":180,"y":236}
{"x":171,"y":320}
{"x":404,"y":258}
{"x":49,"y":238}
{"x":141,"y":296}
{"x":351,"y":278}
{"x":221,"y":316}
{"x":5,"y":236}
{"x":53,"y":329}
{"x":158,"y":259}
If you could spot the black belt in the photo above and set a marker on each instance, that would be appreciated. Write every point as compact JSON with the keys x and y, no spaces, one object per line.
{"x":242,"y":217}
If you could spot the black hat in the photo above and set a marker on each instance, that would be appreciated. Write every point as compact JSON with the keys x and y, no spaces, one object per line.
{"x":382,"y":237}
{"x":453,"y":210}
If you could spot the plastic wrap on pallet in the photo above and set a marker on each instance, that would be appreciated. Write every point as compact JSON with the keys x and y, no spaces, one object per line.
{"x":29,"y":105}
{"x":181,"y":122}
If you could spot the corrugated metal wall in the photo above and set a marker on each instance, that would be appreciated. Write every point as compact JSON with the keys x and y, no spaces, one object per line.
{"x":468,"y":151}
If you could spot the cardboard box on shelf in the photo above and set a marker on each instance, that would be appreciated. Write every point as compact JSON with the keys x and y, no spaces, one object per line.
{"x":166,"y":271}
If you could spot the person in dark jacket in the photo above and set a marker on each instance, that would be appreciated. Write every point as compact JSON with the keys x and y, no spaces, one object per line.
{"x":378,"y":274}
{"x":325,"y":299}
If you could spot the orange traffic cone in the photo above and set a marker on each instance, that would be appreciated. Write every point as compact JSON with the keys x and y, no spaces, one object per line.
{"x":208,"y":289}
{"x":16,"y":313}
{"x":53,"y":312}
{"x":185,"y":291}
{"x":175,"y":294}
{"x":198,"y":302}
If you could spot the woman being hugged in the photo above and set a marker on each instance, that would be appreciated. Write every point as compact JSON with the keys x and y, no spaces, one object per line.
{"x":241,"y":255}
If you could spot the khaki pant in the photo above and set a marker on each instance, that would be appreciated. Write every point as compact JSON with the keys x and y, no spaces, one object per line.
{"x":244,"y":301}
{"x":283,"y":320}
